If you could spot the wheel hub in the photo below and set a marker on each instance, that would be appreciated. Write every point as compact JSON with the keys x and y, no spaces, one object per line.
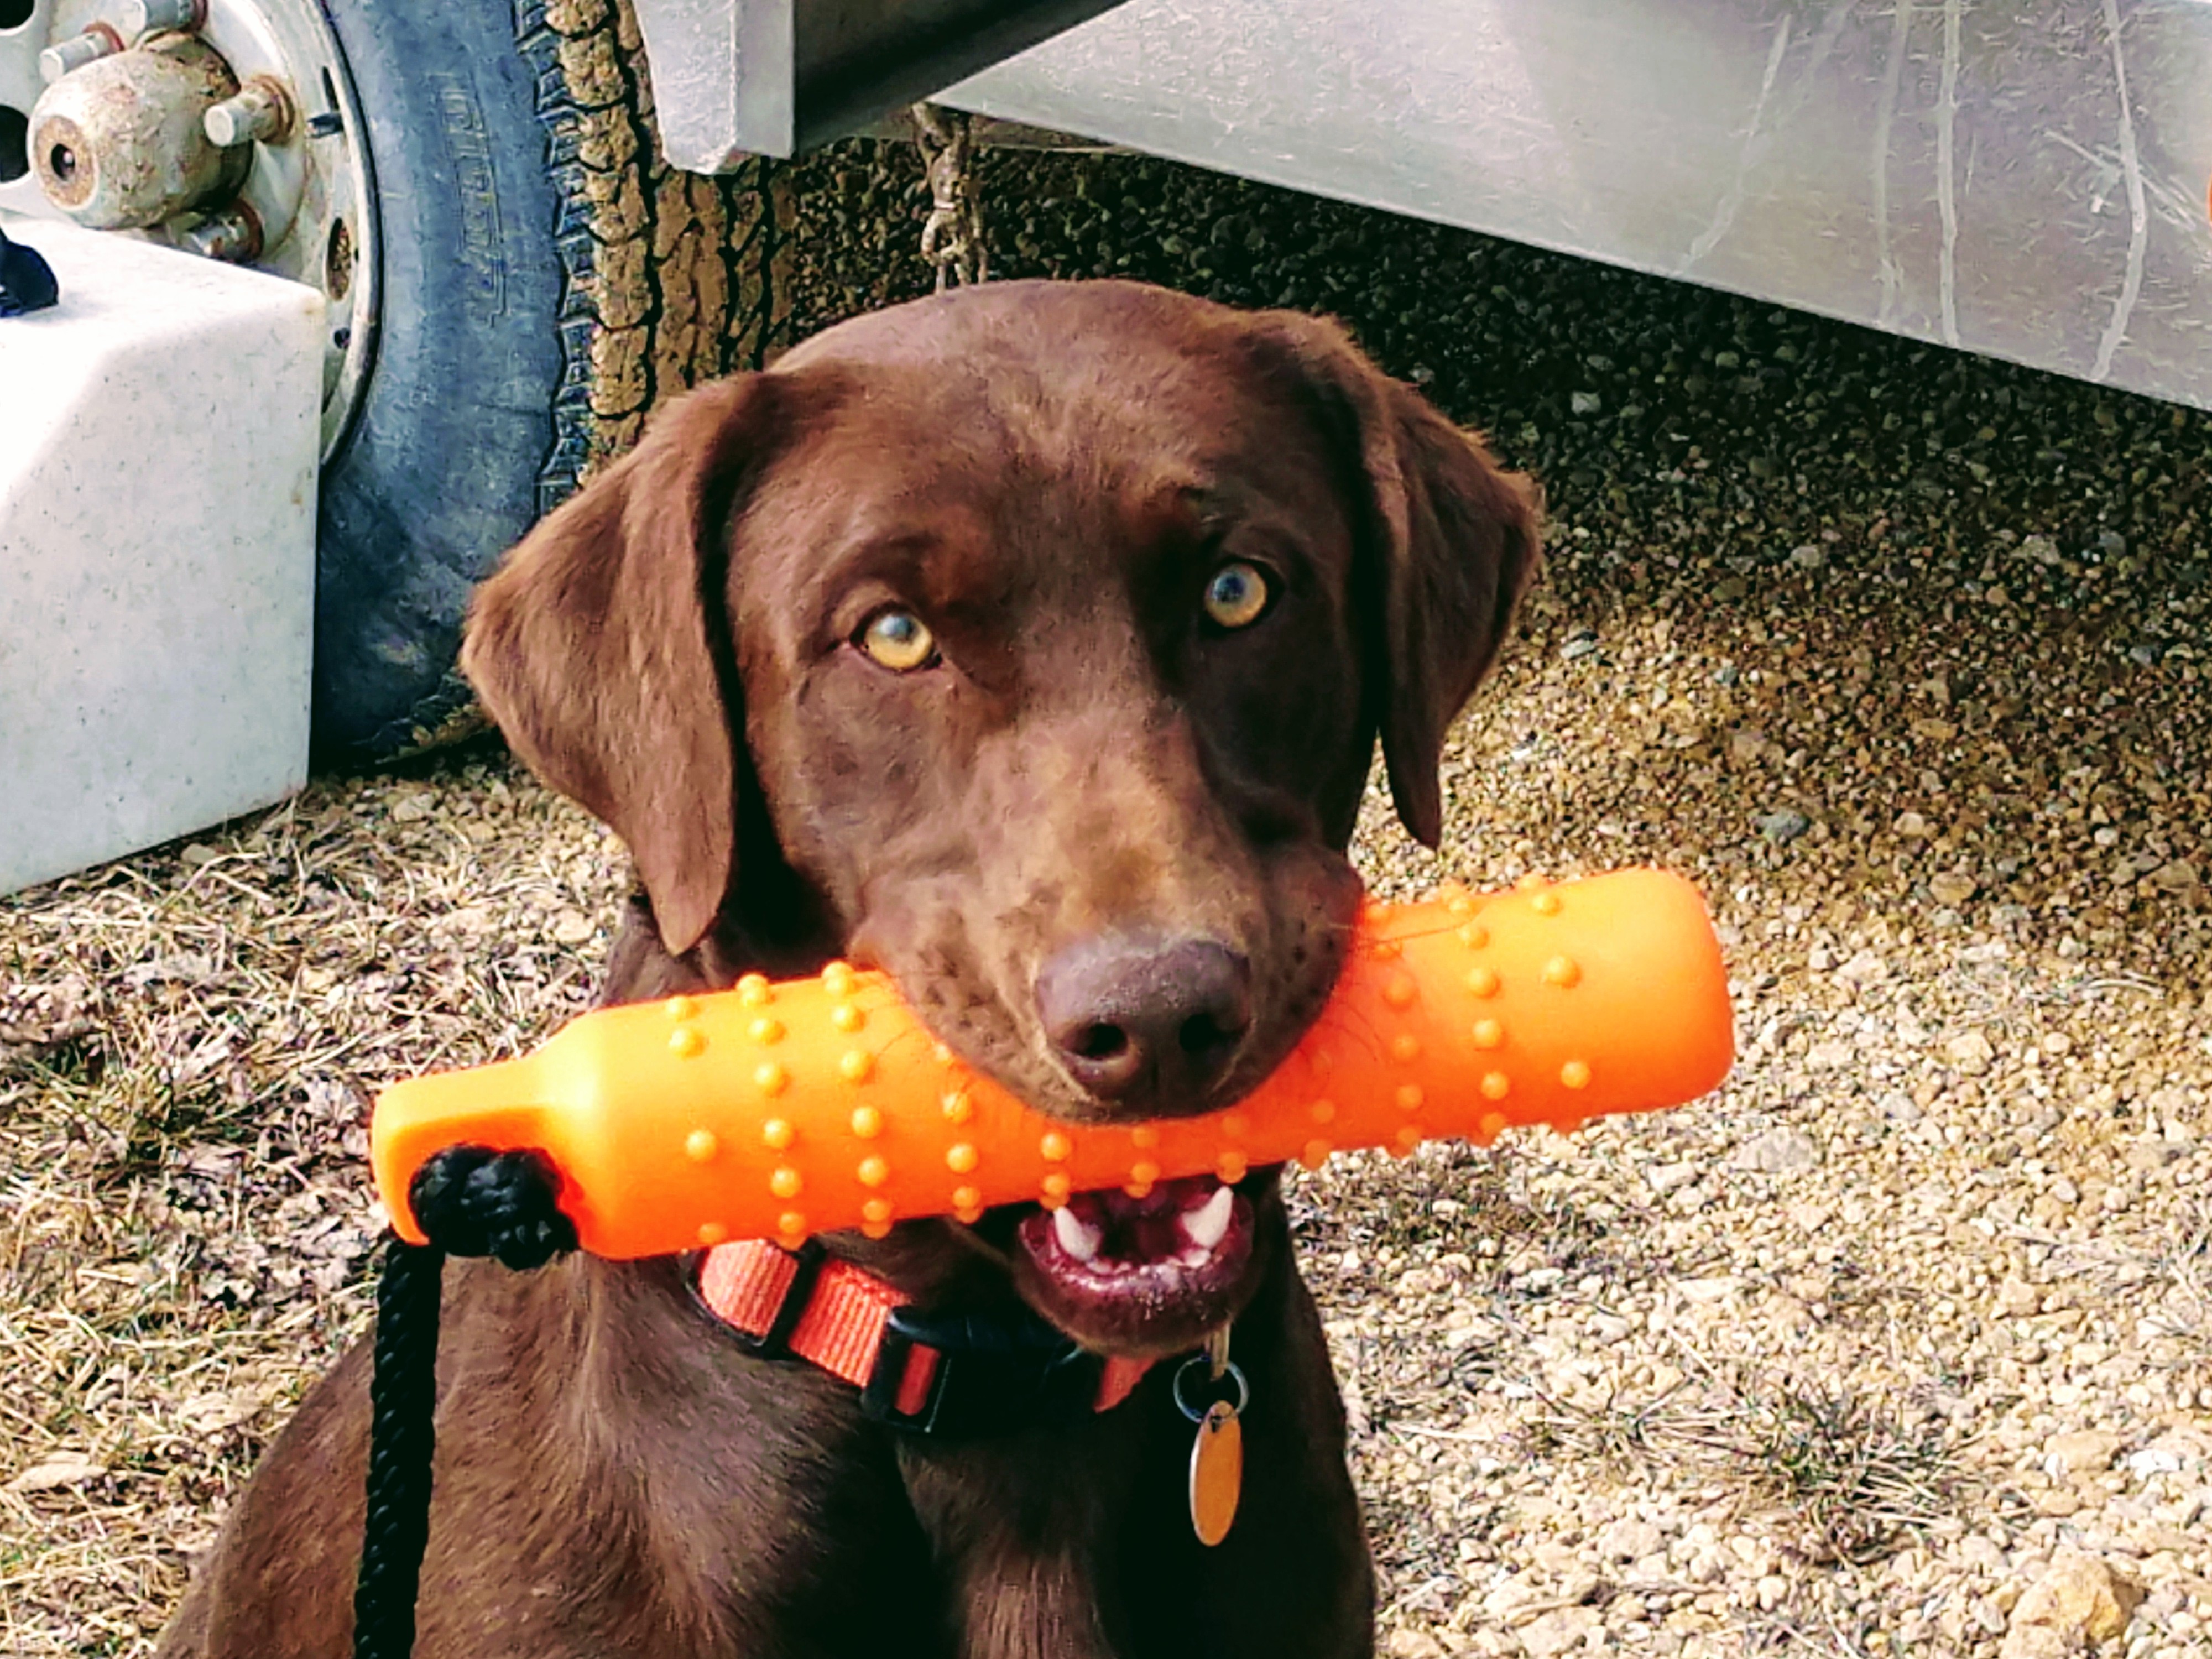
{"x":224,"y":128}
{"x":122,"y":144}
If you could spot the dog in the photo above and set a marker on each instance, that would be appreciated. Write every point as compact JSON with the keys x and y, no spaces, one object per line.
{"x":1030,"y":642}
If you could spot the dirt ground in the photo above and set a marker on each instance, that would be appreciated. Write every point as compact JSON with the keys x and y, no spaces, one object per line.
{"x":1901,"y":1343}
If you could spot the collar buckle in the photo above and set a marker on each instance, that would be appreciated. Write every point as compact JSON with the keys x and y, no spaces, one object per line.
{"x":993,"y":1374}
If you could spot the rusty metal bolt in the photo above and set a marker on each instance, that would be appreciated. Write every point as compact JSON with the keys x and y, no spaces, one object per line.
{"x":99,"y":41}
{"x":260,"y":113}
{"x":143,"y":17}
{"x":231,"y":234}
{"x":119,"y":145}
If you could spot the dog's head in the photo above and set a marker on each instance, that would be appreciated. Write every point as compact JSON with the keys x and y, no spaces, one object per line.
{"x":1030,"y":642}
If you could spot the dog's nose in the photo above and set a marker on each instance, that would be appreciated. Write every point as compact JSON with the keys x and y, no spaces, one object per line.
{"x":1145,"y":1022}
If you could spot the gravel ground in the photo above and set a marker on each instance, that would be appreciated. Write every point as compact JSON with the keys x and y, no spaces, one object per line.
{"x":1902,"y":1342}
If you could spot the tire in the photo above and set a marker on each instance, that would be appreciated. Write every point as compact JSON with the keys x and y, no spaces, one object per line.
{"x":546,"y":279}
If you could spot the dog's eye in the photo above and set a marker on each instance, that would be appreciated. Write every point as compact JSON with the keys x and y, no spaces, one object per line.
{"x":1239,"y":595}
{"x":898,"y":640}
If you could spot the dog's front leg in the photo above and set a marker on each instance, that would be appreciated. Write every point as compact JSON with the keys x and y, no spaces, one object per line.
{"x":1020,"y":1528}
{"x":1028,"y":1606}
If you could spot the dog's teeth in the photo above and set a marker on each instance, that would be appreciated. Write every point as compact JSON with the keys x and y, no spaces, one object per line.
{"x":1206,"y":1225}
{"x":1078,"y":1240}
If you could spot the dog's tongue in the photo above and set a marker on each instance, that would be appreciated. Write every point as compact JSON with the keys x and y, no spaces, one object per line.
{"x":1187,"y":1237}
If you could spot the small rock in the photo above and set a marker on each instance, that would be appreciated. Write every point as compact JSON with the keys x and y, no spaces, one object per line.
{"x":1952,"y":887}
{"x":2090,"y":1449}
{"x":1585,"y":402}
{"x":410,"y":808}
{"x":2153,"y":1153}
{"x":1629,"y":1539}
{"x":1508,"y":1597}
{"x":1410,"y":1643}
{"x":572,"y":928}
{"x":1581,"y":646}
{"x":1666,"y":1178}
{"x":1864,"y":968}
{"x":1807,"y":557}
{"x":1746,"y":745}
{"x":1912,"y":825}
{"x":1783,"y":827}
{"x":1779,"y":1152}
{"x":197,"y":856}
{"x":1559,"y":1632}
{"x":1705,"y":1292}
{"x":2178,"y":876}
{"x":1970,"y":1052}
{"x":58,"y":1469}
{"x":1831,"y":1056}
{"x":2079,"y":1601}
{"x":1935,"y":729}
{"x":2153,"y":1461}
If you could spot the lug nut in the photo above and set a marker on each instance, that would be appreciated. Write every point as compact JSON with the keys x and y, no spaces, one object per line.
{"x":260,"y":113}
{"x":232,"y":234}
{"x":99,"y":41}
{"x":143,"y":17}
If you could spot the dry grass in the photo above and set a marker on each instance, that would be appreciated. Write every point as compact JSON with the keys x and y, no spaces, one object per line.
{"x":1856,"y":1477}
{"x":1852,"y":1480}
{"x":187,"y":1042}
{"x":2184,"y":1269}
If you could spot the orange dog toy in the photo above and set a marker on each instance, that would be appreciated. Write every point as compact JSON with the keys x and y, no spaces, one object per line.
{"x":777,"y":1111}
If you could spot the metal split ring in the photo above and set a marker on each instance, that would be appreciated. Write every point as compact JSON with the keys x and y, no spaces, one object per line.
{"x":1198,"y":1414}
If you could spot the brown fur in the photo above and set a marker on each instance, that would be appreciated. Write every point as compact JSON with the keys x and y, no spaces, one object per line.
{"x":1047,"y":472}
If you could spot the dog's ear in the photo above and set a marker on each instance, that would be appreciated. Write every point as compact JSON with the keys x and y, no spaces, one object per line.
{"x":1449,"y":542}
{"x":601,"y":648}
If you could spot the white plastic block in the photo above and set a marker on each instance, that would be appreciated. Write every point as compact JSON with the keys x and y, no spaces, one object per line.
{"x":159,"y":441}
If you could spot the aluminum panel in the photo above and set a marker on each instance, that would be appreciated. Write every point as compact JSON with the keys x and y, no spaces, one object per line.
{"x":2026,"y":181}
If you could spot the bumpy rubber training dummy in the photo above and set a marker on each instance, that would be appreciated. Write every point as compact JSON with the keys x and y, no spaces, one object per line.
{"x":777,"y":1111}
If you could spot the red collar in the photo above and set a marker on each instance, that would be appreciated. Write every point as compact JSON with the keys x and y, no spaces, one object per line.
{"x":915,"y":1372}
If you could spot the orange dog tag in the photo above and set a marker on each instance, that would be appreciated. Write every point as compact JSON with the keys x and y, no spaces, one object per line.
{"x":1217,"y":1473}
{"x":1216,"y":1457}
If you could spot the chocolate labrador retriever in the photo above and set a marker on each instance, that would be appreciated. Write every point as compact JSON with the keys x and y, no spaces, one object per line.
{"x":1030,"y":642}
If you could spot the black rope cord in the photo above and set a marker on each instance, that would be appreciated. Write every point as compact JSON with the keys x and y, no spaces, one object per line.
{"x":469,"y":1201}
